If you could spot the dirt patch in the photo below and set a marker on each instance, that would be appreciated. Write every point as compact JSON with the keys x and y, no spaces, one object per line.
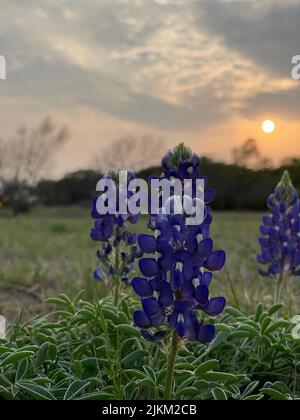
{"x":15,"y":298}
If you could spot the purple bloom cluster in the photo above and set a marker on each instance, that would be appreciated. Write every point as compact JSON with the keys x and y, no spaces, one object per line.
{"x":280,"y":232}
{"x":179,"y":269}
{"x":112,"y":230}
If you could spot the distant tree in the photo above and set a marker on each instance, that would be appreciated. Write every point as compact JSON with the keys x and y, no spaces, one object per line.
{"x":131,"y":153}
{"x":291,"y":161}
{"x":248,"y":156}
{"x":23,"y":159}
{"x":74,"y":188}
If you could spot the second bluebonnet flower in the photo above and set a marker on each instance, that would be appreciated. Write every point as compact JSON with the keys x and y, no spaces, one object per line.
{"x":118,"y":246}
{"x":280,"y":232}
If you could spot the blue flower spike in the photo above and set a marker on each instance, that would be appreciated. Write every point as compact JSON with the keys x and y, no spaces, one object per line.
{"x":177,"y":273}
{"x":280,"y":235}
{"x":118,"y":246}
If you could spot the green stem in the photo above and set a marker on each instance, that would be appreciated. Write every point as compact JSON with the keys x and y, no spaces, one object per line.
{"x":278,"y":289}
{"x":117,"y":279}
{"x":170,"y":366}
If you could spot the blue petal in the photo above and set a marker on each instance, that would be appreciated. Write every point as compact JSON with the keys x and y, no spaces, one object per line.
{"x":206,"y":278}
{"x":154,"y":338}
{"x":177,"y":280}
{"x":158,"y":319}
{"x":142,"y":287}
{"x":151,"y":306}
{"x":147,"y":243}
{"x":209,"y":195}
{"x":206,"y":333}
{"x":172,"y":319}
{"x":98,"y":274}
{"x":166,"y":295}
{"x":141,"y":320}
{"x":297,"y":258}
{"x":204,"y":247}
{"x":180,"y":329}
{"x":201,"y":295}
{"x":148,"y":267}
{"x":215,"y":261}
{"x":267,"y":220}
{"x":215,"y":306}
{"x":191,"y":325}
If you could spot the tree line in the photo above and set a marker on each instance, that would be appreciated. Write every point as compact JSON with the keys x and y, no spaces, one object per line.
{"x":243,"y":184}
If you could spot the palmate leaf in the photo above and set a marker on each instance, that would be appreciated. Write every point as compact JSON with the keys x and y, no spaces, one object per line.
{"x":219,"y":377}
{"x":21,"y":370}
{"x":219,"y":394}
{"x":274,"y":394}
{"x":35,"y":391}
{"x":15,"y":357}
{"x":74,"y":389}
{"x":96,"y":396}
{"x":134,"y":356}
{"x":128,"y":330}
{"x":206,"y":366}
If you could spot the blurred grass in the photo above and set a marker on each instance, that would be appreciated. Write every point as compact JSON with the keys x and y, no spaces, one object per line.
{"x":51,"y":249}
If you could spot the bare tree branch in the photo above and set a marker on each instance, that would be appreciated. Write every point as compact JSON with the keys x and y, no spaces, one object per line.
{"x":25,"y":157}
{"x":131,"y":153}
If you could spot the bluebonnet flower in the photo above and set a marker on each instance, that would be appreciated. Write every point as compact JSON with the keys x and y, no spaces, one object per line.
{"x":111,"y":230}
{"x":176,"y":275}
{"x":280,"y":232}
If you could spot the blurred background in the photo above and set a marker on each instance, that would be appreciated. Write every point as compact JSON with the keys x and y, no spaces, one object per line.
{"x":98,"y":84}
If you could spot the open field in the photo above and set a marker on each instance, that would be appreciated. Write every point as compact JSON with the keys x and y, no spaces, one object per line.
{"x":50,"y":251}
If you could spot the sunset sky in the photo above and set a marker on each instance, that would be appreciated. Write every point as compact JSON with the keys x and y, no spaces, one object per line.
{"x":205,"y":72}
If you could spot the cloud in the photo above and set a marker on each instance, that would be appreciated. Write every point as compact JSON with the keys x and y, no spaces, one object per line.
{"x":266,"y":32}
{"x":173,"y":67}
{"x":284,"y":104}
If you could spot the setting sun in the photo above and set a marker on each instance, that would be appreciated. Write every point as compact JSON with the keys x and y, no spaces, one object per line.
{"x":268,"y":126}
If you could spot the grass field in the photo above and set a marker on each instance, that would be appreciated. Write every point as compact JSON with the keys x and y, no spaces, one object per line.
{"x":50,"y":251}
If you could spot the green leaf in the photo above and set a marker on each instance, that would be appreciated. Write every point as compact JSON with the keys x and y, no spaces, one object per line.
{"x":274,"y":309}
{"x":219,"y":377}
{"x":52,"y":350}
{"x":21,"y":369}
{"x":37,"y":391}
{"x":96,"y":396}
{"x":75,"y":389}
{"x":258,"y":312}
{"x":16,"y":357}
{"x":265,"y":323}
{"x":4,"y":349}
{"x":281,"y":387}
{"x":274,"y":394}
{"x":136,"y":373}
{"x":233,"y":311}
{"x":250,"y":388}
{"x":253,"y":397}
{"x":251,"y":330}
{"x":5,"y":381}
{"x":127,"y":345}
{"x":206,"y":366}
{"x":190,"y":391}
{"x":110,"y":315}
{"x":128,"y":330}
{"x":134,"y":356}
{"x":78,"y":369}
{"x":219,"y":394}
{"x":240,"y":334}
{"x":275,"y":325}
{"x":41,"y":354}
